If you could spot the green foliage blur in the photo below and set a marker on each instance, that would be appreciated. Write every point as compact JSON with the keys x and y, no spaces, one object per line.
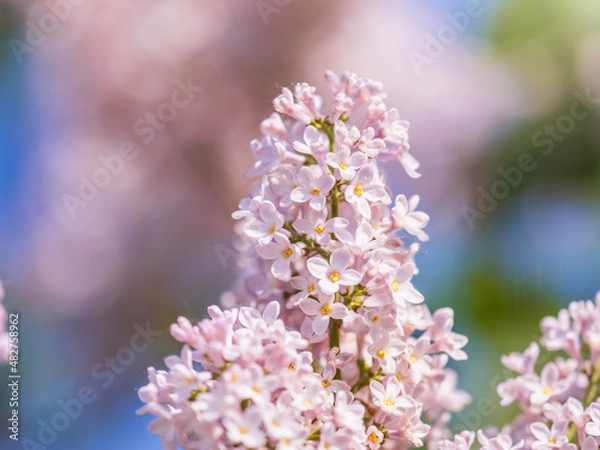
{"x":498,"y":303}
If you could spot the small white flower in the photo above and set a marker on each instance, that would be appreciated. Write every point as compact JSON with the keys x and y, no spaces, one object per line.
{"x":245,"y":427}
{"x":268,"y":154}
{"x":545,"y":387}
{"x":333,"y":274}
{"x":307,"y":285}
{"x":317,"y":227}
{"x":401,"y":287}
{"x":371,"y":147}
{"x":364,"y":190}
{"x":266,"y":225}
{"x":363,"y":240}
{"x":345,"y":162}
{"x":280,"y":425}
{"x":593,"y":428}
{"x":283,"y":252}
{"x":390,"y":398}
{"x":313,"y":187}
{"x":547,"y":438}
{"x":406,"y":217}
{"x":416,"y":356}
{"x":500,"y":442}
{"x":523,"y":363}
{"x":374,"y":438}
{"x":315,"y":143}
{"x":386,"y":350}
{"x":329,"y":383}
{"x":284,"y":103}
{"x":322,"y":310}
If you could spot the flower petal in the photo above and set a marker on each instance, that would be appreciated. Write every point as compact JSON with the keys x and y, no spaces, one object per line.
{"x":281,"y":268}
{"x":350,"y":278}
{"x":310,"y":307}
{"x":338,"y":311}
{"x":320,"y":324}
{"x":340,"y":259}
{"x":269,"y":251}
{"x":318,"y":267}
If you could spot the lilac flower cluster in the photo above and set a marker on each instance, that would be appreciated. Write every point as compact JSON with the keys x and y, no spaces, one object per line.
{"x":257,"y":385}
{"x":560,"y":408}
{"x":325,"y":343}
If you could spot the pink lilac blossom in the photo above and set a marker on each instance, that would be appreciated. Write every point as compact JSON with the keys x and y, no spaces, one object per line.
{"x":560,"y":406}
{"x":324,"y":342}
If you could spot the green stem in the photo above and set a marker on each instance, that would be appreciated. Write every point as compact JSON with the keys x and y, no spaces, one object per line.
{"x":592,"y":390}
{"x":365,"y":376}
{"x":311,"y":245}
{"x":334,"y":324}
{"x":326,"y":127}
{"x":334,"y":340}
{"x":334,"y":205}
{"x":334,"y":333}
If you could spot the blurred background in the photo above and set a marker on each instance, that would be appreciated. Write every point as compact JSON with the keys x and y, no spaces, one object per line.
{"x":504,"y":103}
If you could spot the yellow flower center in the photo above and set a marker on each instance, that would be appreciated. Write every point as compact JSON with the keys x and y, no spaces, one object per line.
{"x":343,"y":166}
{"x":256,"y":389}
{"x":552,"y":440}
{"x":320,"y":228}
{"x":381,"y":354}
{"x":373,"y":438}
{"x":375,"y":319}
{"x":316,"y":191}
{"x":292,"y":367}
{"x":287,"y":253}
{"x":243,"y":430}
{"x":272,"y":229}
{"x":547,"y":390}
{"x":398,"y":377}
{"x":334,"y":277}
{"x":311,"y":288}
{"x":233,"y":377}
{"x":325,"y":383}
{"x":413,"y":359}
{"x":388,"y":402}
{"x":395,"y":286}
{"x":358,"y":190}
{"x":275,"y":424}
{"x":325,"y":310}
